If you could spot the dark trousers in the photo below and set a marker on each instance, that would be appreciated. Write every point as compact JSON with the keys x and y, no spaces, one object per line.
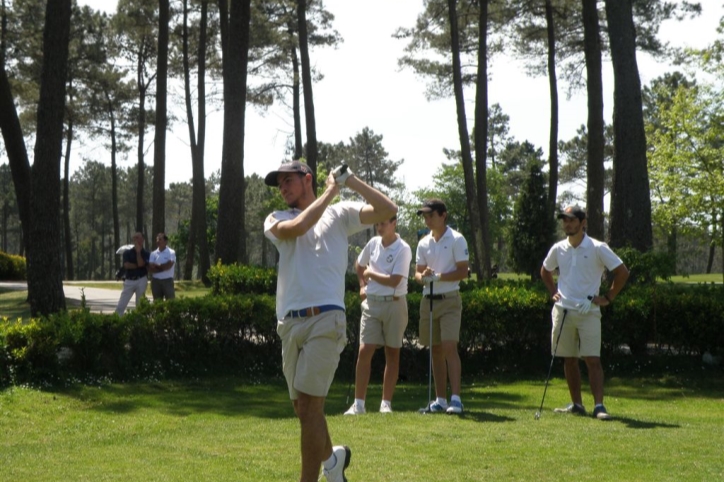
{"x":162,"y":289}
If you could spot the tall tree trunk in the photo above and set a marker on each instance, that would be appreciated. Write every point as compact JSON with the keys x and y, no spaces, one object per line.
{"x":553,"y":88}
{"x":141,"y":168}
{"x":481,"y":139}
{"x":45,"y":279}
{"x":311,"y":123}
{"x":296,"y":107}
{"x":230,"y":234}
{"x":630,"y":198}
{"x":197,"y":231}
{"x":68,"y":239}
{"x":114,"y":180}
{"x":712,"y":245}
{"x":466,"y":152}
{"x":671,"y":245}
{"x":596,"y":140}
{"x":16,"y":151}
{"x":159,"y":152}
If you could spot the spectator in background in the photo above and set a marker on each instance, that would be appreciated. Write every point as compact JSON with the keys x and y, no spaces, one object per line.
{"x":135,"y":262}
{"x":161,"y":265}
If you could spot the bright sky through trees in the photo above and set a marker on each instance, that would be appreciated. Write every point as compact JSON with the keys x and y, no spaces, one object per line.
{"x":363,"y":87}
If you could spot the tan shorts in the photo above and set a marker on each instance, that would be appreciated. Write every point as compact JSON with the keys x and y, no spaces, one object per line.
{"x":383,"y":322}
{"x":446,"y":316}
{"x":581,"y":335}
{"x":310,"y":351}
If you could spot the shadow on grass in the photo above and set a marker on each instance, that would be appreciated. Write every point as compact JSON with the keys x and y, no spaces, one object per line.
{"x":643,"y":424}
{"x":226,"y":397}
{"x":485,"y":417}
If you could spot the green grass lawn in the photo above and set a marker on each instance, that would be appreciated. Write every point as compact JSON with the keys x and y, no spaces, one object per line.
{"x":228,"y":430}
{"x":13,"y":304}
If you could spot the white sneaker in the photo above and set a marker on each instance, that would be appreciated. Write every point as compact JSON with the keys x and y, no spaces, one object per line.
{"x":336,"y":473}
{"x":355,"y":410}
{"x":385,"y":408}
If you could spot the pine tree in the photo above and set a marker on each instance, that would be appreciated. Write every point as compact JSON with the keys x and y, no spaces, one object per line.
{"x":531,"y":232}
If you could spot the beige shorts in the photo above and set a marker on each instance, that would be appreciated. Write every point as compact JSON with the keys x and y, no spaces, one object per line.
{"x":310,"y":351}
{"x":383,"y":322}
{"x":446,"y":316}
{"x":581,"y":335}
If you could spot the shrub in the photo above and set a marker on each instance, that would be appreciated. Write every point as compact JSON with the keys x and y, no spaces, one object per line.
{"x":12,"y":268}
{"x":505,"y":328}
{"x":230,"y":279}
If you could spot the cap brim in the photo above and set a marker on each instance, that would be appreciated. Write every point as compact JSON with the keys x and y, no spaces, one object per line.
{"x":271,"y":179}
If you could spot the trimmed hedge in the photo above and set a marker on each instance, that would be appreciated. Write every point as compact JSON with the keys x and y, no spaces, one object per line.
{"x":506,"y":328}
{"x":12,"y":268}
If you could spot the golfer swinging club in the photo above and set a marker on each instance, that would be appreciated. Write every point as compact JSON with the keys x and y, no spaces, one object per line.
{"x":311,"y":237}
{"x":581,"y":261}
{"x":442,"y":259}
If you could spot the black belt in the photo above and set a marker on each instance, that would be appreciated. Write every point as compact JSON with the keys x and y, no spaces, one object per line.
{"x":442,"y":296}
{"x":133,"y":278}
{"x":312,"y":311}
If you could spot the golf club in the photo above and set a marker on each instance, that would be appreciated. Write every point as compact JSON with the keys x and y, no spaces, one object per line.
{"x":354,"y":364}
{"x":426,"y":409}
{"x":555,"y":349}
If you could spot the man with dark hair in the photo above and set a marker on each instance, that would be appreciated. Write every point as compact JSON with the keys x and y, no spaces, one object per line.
{"x":161,"y":265}
{"x":135,"y":262}
{"x":311,"y":237}
{"x":442,"y":261}
{"x":383,"y":268}
{"x":581,"y":261}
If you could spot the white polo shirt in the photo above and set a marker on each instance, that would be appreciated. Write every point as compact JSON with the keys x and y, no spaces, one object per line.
{"x":161,"y":257}
{"x":394,"y":259}
{"x":581,"y":269}
{"x":312,"y":266}
{"x":442,"y":256}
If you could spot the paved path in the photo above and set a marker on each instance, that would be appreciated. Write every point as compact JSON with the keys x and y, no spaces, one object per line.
{"x":99,"y":300}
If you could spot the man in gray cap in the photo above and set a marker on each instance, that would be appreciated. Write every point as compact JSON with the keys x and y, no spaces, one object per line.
{"x":581,"y":261}
{"x":311,"y":237}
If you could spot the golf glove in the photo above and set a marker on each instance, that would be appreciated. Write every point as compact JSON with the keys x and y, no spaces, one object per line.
{"x":341,"y":174}
{"x":585,"y":306}
{"x":433,"y":278}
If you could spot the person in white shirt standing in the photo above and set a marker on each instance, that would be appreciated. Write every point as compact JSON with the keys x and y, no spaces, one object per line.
{"x":161,"y":265}
{"x":581,"y":261}
{"x":442,"y":259}
{"x":383,"y":268}
{"x":312,"y":239}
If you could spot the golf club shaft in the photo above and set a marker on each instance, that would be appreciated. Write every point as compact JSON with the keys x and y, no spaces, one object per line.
{"x":550,"y":368}
{"x":429,"y":370}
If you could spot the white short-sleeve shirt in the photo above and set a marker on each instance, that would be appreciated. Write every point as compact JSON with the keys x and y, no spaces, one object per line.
{"x":161,"y":257}
{"x":442,"y":256}
{"x":312,"y":266}
{"x":581,"y":268}
{"x":394,"y":259}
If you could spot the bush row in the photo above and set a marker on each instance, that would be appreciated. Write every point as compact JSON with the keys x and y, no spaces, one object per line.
{"x":12,"y":268}
{"x":505,"y":328}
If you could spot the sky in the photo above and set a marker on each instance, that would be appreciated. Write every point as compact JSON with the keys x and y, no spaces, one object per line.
{"x":364,"y":87}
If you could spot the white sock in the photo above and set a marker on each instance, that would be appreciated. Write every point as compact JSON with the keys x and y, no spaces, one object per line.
{"x":330,"y":462}
{"x":386,"y":402}
{"x":442,"y":401}
{"x":359,"y":402}
{"x":598,"y":405}
{"x":456,"y":398}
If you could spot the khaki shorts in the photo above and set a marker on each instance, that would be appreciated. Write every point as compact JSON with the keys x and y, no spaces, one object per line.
{"x":581,"y":336}
{"x":310,"y":351}
{"x":383,"y":322}
{"x":446,"y":316}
